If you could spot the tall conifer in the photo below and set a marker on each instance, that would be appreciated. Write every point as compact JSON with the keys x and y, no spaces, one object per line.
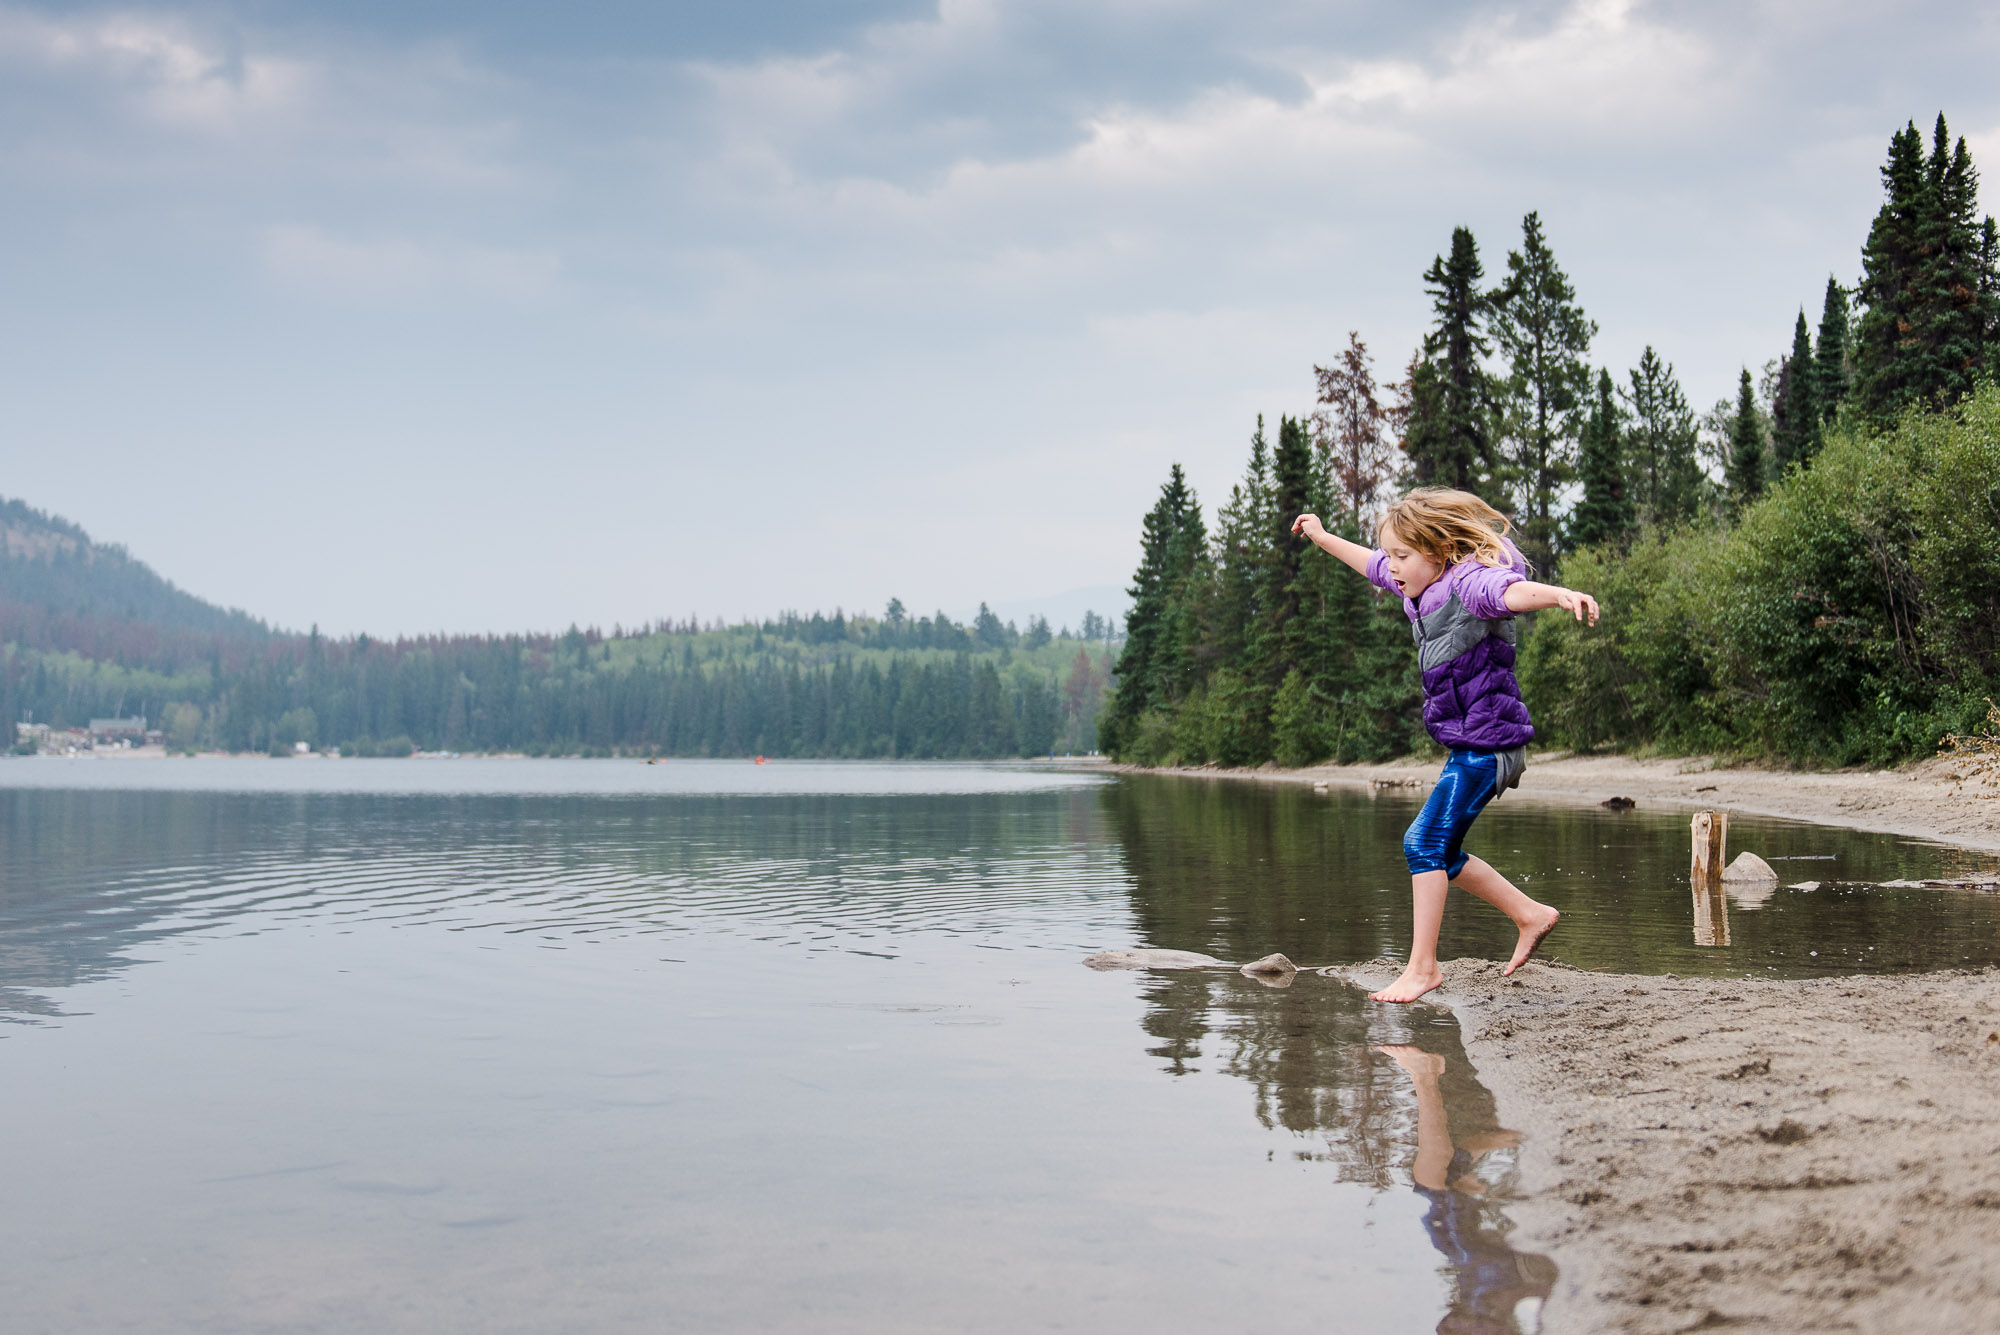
{"x":1664,"y":474}
{"x":1241,"y":545}
{"x":1833,"y":356}
{"x":1923,"y":334}
{"x":1544,"y":337}
{"x":1152,"y":668}
{"x":1292,"y":494}
{"x":1795,"y":414}
{"x":1450,"y":436}
{"x":1604,"y":514}
{"x":1746,"y":438}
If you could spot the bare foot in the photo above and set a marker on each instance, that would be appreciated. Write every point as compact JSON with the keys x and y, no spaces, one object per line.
{"x":1413,"y":984}
{"x":1414,"y":1061}
{"x":1531,"y":938}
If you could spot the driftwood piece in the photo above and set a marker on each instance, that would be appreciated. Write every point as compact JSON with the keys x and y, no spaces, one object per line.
{"x":1711,"y":847}
{"x":1152,"y":959}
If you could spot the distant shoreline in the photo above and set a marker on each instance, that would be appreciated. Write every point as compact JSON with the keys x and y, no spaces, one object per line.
{"x":1920,"y":800}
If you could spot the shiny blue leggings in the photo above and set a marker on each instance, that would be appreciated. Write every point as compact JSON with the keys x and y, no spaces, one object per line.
{"x":1463,"y":790}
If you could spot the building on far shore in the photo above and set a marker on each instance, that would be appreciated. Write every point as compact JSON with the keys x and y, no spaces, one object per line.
{"x":118,"y":731}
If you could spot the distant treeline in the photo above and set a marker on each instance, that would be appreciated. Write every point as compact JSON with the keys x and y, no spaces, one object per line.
{"x":88,"y":632}
{"x":793,"y":686}
{"x":1808,"y":571}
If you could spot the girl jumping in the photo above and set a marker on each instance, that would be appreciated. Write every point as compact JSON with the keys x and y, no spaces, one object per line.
{"x":1446,"y":552}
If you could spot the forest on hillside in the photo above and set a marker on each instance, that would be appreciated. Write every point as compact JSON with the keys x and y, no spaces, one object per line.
{"x":87,"y":632}
{"x":1807,"y":571}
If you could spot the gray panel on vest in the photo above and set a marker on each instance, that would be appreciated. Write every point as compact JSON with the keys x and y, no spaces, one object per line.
{"x":1453,"y":630}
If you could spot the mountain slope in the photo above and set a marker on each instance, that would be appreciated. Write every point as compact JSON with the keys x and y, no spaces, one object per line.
{"x":50,"y":566}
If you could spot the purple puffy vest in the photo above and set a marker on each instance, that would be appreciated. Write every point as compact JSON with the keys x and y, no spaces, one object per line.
{"x":1471,"y":698}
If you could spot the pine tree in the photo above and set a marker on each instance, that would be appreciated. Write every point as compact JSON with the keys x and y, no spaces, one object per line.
{"x":1242,"y":539}
{"x":1795,"y":414}
{"x":1989,"y":293}
{"x":1151,"y":665}
{"x":1544,"y":337}
{"x":1923,"y":333}
{"x":1746,"y":438}
{"x":1662,"y":471}
{"x":1292,"y":494}
{"x":1350,"y":432}
{"x":1604,"y":514}
{"x":1450,"y":435}
{"x":1832,"y":358}
{"x":1418,"y":419}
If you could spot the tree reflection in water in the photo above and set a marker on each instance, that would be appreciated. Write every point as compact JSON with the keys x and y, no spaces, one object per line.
{"x":1384,"y":1096}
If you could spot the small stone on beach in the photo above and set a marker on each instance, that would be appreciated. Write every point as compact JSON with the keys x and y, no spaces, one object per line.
{"x":1749,"y":867}
{"x":1270,"y":964}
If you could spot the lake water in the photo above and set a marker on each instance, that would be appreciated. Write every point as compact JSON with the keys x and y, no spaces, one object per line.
{"x":704,"y":1046}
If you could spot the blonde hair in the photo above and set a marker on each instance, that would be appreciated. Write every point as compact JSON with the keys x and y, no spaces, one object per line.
{"x":1448,"y":526}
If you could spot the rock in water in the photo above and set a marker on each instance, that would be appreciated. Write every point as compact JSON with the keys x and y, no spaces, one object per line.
{"x":1749,"y":867}
{"x":1151,"y":959}
{"x":1271,"y":965}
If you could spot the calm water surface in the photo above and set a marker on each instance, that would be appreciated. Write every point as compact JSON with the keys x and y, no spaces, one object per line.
{"x":705,"y":1046}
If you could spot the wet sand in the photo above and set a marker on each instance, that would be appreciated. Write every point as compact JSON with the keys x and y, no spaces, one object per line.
{"x":1923,"y":800}
{"x":1806,"y":1156}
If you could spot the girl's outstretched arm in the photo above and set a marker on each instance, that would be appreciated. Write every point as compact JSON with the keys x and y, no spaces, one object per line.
{"x":1353,"y":553}
{"x":1528,"y":596}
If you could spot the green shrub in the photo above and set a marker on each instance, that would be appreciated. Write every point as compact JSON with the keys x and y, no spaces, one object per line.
{"x":1852,"y":615}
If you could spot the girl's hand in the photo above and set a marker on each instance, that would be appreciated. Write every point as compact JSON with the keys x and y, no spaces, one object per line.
{"x":1569,"y":600}
{"x":1308,"y":526}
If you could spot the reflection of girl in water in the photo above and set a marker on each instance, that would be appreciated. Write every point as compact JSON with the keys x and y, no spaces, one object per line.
{"x":1496,"y":1290}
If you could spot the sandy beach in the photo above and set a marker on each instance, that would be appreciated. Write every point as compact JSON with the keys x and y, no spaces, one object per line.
{"x":1932,"y":799}
{"x":1802,"y":1156}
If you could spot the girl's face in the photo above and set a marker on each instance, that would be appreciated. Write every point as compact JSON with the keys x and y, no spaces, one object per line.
{"x":1411,"y":569}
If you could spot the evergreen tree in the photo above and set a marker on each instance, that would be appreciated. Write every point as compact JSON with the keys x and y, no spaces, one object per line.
{"x":1242,"y":535}
{"x":1604,"y":514}
{"x":1833,"y":357}
{"x":1151,"y":668}
{"x":1746,"y":438}
{"x":1795,"y":414}
{"x":1989,"y":292}
{"x":1292,"y":494}
{"x":1544,"y":337}
{"x":1418,"y":418}
{"x":1662,"y":472}
{"x":1926,"y":286}
{"x":988,"y":632}
{"x":1350,"y":432}
{"x":1450,"y":435}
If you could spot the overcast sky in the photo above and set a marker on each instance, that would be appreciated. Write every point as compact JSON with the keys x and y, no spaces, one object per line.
{"x":405,"y":315}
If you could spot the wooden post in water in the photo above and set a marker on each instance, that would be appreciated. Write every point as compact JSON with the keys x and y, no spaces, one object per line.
{"x":1711,"y":848}
{"x":1711,"y":909}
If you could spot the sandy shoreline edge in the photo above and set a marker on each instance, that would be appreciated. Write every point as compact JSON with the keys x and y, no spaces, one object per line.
{"x":1922,"y":800}
{"x":1808,"y":1155}
{"x":1773,"y":1155}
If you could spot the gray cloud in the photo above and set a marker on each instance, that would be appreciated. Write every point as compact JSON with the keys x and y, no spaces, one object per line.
{"x":434,"y":316}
